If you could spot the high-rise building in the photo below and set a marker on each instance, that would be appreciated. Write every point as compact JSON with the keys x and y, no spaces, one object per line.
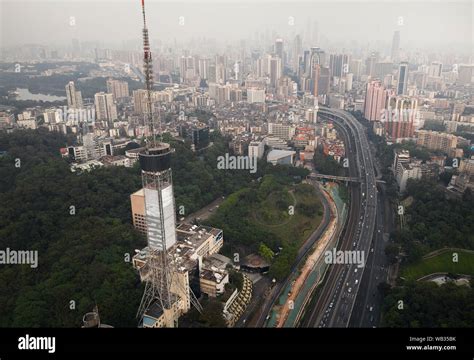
{"x":279,"y":49}
{"x":297,"y":48}
{"x":137,"y":200}
{"x":355,"y":67}
{"x":263,"y":66}
{"x":370,"y":64}
{"x":315,"y":75}
{"x":200,"y":136}
{"x":434,"y":140}
{"x":375,"y":100}
{"x":419,"y":79}
{"x":435,"y":69}
{"x":204,"y":68}
{"x":383,"y":68}
{"x":74,"y":98}
{"x":255,"y":95}
{"x":349,"y":80}
{"x":465,"y":74}
{"x":118,"y":88}
{"x":256,"y":149}
{"x":395,"y":55}
{"x":282,"y":131}
{"x":404,"y":170}
{"x":105,"y":107}
{"x":402,"y":82}
{"x":187,"y":68}
{"x":275,"y":70}
{"x":402,"y":117}
{"x":317,"y":56}
{"x":323,"y":81}
{"x":140,"y":98}
{"x":338,"y":64}
{"x":388,"y":81}
{"x":221,"y":65}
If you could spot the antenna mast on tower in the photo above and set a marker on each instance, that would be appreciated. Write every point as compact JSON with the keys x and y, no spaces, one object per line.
{"x":148,"y":73}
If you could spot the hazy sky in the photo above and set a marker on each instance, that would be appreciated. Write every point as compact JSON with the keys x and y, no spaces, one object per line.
{"x":57,"y":22}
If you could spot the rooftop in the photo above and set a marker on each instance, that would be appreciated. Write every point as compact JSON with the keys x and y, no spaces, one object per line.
{"x":278,"y":154}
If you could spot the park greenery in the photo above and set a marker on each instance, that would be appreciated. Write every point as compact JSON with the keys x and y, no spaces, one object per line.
{"x":441,"y":262}
{"x":428,"y":305}
{"x":81,"y":227}
{"x":273,"y":217}
{"x":434,"y":221}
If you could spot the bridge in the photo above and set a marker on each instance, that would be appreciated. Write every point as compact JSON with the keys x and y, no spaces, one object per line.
{"x":340,"y":178}
{"x":333,"y":177}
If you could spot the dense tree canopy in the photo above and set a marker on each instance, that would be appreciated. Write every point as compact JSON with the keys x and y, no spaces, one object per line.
{"x":434,"y":221}
{"x":426,"y":304}
{"x":81,"y":227}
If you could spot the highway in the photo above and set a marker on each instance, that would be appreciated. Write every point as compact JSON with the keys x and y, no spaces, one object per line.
{"x":367,"y":309}
{"x":336,"y":300}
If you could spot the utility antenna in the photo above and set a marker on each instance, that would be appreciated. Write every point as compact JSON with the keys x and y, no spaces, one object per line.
{"x":148,"y":72}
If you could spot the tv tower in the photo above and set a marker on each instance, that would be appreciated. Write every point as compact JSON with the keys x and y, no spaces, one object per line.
{"x":148,"y":73}
{"x":164,"y":286}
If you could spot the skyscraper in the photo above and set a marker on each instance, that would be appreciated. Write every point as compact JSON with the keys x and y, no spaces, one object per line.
{"x":356,"y":68}
{"x":338,"y":64}
{"x":74,"y":98}
{"x":315,"y":75}
{"x":402,"y":119}
{"x":105,"y":107}
{"x":402,"y":78}
{"x":186,"y":68}
{"x":118,"y":88}
{"x":275,"y":70}
{"x":395,"y":46}
{"x":221,"y":65}
{"x":295,"y":55}
{"x":279,"y":48}
{"x":203,"y":68}
{"x":370,"y":64}
{"x":375,"y":100}
{"x":435,"y":69}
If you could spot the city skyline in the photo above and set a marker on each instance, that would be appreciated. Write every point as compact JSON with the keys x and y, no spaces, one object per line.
{"x":268,"y":165}
{"x":438,"y":25}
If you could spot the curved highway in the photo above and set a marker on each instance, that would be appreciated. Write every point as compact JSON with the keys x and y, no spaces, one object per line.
{"x":336,"y":299}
